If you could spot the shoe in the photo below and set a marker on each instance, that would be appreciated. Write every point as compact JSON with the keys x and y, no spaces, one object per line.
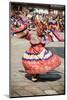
{"x":34,"y":78}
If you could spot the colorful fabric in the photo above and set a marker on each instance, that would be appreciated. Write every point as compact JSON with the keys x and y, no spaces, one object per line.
{"x":18,"y":25}
{"x":41,"y":61}
{"x":59,"y":36}
{"x":15,"y":30}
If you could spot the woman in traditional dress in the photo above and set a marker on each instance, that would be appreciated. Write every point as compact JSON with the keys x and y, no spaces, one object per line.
{"x":37,"y":59}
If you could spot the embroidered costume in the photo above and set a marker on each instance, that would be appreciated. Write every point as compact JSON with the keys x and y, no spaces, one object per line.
{"x":37,"y":59}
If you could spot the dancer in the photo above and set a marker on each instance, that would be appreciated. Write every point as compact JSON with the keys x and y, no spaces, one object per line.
{"x":37,"y":59}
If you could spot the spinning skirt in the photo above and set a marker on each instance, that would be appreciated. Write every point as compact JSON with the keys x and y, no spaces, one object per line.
{"x":38,"y":60}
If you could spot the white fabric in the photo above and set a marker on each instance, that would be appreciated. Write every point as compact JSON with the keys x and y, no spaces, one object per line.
{"x":38,"y":56}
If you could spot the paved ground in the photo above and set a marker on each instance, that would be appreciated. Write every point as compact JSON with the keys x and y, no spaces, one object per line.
{"x":21,"y":84}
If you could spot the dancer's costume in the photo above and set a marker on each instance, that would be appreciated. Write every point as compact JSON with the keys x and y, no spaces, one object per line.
{"x":37,"y":59}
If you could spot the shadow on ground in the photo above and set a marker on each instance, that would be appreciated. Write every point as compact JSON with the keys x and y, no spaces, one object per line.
{"x":57,"y":50}
{"x":50,"y":76}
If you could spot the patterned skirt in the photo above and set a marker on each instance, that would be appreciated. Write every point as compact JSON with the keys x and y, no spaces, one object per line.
{"x":38,"y":60}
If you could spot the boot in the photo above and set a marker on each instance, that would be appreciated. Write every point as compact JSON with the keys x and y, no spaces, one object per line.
{"x":34,"y":78}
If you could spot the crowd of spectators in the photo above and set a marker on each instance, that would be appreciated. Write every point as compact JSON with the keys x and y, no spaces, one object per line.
{"x":51,"y":20}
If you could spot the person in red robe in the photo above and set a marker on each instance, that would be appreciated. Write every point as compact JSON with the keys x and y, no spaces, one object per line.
{"x":37,"y":59}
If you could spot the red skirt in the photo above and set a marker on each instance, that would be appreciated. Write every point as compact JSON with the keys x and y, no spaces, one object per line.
{"x":38,"y":60}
